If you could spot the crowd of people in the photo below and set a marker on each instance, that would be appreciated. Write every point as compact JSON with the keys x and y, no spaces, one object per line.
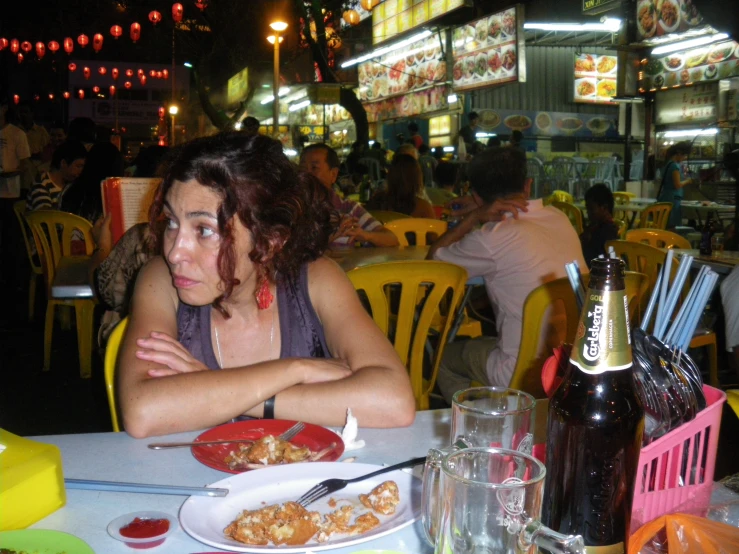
{"x":234,"y":311}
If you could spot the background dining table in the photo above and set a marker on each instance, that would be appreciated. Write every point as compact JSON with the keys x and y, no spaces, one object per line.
{"x":118,"y":457}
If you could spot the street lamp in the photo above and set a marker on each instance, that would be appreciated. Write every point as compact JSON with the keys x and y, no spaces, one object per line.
{"x":173,"y":110}
{"x":276,"y":39}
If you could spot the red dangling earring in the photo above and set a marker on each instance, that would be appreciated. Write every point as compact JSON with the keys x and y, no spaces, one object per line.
{"x":263,"y":295}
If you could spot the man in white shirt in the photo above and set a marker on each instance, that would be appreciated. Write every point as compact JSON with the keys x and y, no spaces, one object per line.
{"x":514,"y":253}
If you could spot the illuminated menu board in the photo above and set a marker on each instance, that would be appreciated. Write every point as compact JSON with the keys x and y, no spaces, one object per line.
{"x":394,"y":17}
{"x":595,"y":78}
{"x":486,"y":51}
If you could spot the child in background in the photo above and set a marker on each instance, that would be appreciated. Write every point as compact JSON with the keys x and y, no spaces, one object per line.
{"x":601,"y":227}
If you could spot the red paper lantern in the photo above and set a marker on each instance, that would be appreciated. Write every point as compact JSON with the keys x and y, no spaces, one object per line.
{"x":165,"y":73}
{"x":201,"y":4}
{"x":36,"y":97}
{"x":139,"y":72}
{"x":114,"y":73}
{"x":40,"y":50}
{"x":83,"y":41}
{"x":26,"y":46}
{"x":135,"y":31}
{"x":160,"y":74}
{"x":127,"y":84}
{"x":3,"y":43}
{"x":129,"y":72}
{"x":20,"y":57}
{"x":96,"y":89}
{"x":81,"y":94}
{"x":102,"y":70}
{"x":177,"y":11}
{"x":116,"y":31}
{"x":142,"y":80}
{"x":155,"y":17}
{"x":53,"y":46}
{"x":153,"y":74}
{"x":14,"y":45}
{"x":51,"y":96}
{"x":72,"y":66}
{"x":97,"y":42}
{"x":86,"y":72}
{"x":161,"y":112}
{"x":112,"y":90}
{"x":66,"y":95}
{"x":68,"y":45}
{"x":16,"y":99}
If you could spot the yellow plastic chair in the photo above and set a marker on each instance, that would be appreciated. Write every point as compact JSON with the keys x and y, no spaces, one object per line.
{"x":572,"y":212}
{"x":561,"y":324}
{"x":623,"y":226}
{"x":622,"y":197}
{"x":404,"y":320}
{"x":659,"y":238}
{"x":111,"y":358}
{"x":53,"y":231}
{"x":649,"y":260}
{"x":37,"y":270}
{"x":384,"y":216}
{"x":559,"y":196}
{"x":418,"y":226}
{"x":655,"y":216}
{"x":732,"y":397}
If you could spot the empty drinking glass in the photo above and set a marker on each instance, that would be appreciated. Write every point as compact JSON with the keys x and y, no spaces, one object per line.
{"x":491,"y":502}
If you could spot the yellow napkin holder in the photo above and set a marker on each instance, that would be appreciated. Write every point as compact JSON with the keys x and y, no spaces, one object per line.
{"x":31,"y":481}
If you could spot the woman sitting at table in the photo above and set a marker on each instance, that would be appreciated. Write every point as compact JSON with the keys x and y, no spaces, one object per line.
{"x":242,"y":288}
{"x":673,"y":181}
{"x":404,"y":192}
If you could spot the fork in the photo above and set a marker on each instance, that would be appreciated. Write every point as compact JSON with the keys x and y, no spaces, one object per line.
{"x":286,"y":436}
{"x":332,"y":485}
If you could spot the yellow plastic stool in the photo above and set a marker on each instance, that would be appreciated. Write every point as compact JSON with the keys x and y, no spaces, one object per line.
{"x":37,"y":269}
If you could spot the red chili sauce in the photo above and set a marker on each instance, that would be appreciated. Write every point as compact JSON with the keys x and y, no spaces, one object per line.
{"x":145,"y":528}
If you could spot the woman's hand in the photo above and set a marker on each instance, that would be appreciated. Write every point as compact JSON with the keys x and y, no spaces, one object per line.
{"x":322,"y":370}
{"x":164,"y":350}
{"x":461,"y":206}
{"x":345,"y":227}
{"x":101,"y":234}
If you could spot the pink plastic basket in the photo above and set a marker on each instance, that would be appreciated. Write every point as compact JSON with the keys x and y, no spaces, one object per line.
{"x":676,"y":471}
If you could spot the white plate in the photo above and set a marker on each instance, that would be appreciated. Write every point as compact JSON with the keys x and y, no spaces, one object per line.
{"x":205,"y":518}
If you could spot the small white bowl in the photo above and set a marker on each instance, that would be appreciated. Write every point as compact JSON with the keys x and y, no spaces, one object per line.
{"x":148,"y":542}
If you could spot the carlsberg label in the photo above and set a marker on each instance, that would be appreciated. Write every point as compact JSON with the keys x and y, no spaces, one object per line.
{"x":603,"y":341}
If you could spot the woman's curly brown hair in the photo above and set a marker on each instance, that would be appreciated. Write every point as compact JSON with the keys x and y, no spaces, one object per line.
{"x":287,"y":211}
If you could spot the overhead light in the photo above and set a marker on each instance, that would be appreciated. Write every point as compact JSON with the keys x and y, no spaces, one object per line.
{"x":290,"y":152}
{"x":693,"y":133}
{"x":448,"y":149}
{"x":387,"y":49}
{"x":299,"y":105}
{"x":271,"y":39}
{"x":610,"y":25}
{"x":452,"y":99}
{"x":628,"y":99}
{"x":282,"y":92}
{"x":485,"y":135}
{"x":688,"y":44}
{"x":278,"y":26}
{"x":187,"y":64}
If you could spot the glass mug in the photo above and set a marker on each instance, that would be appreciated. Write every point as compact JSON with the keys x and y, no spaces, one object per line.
{"x":495,"y":417}
{"x":490,"y":501}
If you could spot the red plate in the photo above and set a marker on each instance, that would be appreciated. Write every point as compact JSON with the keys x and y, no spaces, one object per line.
{"x":314,"y":437}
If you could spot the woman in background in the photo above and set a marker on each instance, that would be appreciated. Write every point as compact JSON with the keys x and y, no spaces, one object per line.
{"x":404,"y":192}
{"x":673,"y":181}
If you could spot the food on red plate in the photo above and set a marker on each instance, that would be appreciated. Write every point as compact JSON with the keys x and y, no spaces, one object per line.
{"x":585,"y":88}
{"x":585,"y":63}
{"x":270,"y":450}
{"x":509,"y":59}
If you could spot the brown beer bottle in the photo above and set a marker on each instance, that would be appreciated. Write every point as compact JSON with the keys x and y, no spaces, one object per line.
{"x":596,"y":421}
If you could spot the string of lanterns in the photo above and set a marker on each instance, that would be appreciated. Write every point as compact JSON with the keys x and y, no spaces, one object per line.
{"x":116,"y":31}
{"x":352,"y":17}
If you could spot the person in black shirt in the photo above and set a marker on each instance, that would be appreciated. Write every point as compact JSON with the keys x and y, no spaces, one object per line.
{"x":469,"y":131}
{"x":601,"y":227}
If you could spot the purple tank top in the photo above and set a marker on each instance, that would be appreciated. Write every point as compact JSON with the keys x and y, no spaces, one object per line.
{"x":300,"y":329}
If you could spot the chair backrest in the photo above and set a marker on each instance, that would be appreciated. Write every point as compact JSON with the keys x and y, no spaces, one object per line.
{"x":384,"y":216}
{"x":373,"y":167}
{"x":111,"y":359}
{"x":621,"y":197}
{"x":655,"y":216}
{"x":623,"y":226}
{"x":559,"y":196}
{"x":603,"y":168}
{"x":659,"y":238}
{"x":54,"y":231}
{"x":19,"y":208}
{"x":556,"y":298}
{"x":572,"y":212}
{"x":563,"y":170}
{"x":404,"y":299}
{"x":535,"y":171}
{"x":418,"y":226}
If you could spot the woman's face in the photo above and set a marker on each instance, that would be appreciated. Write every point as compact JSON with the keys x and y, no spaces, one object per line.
{"x":192,"y":243}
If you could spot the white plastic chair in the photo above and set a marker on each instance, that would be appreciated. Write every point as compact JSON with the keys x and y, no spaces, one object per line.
{"x":636,"y":171}
{"x":602,"y":171}
{"x":564,"y":173}
{"x":535,"y":171}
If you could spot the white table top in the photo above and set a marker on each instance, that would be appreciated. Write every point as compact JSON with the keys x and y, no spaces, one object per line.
{"x":118,"y":457}
{"x":72,"y":278}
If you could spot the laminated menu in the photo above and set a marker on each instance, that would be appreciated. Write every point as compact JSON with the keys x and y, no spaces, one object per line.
{"x":127,"y":199}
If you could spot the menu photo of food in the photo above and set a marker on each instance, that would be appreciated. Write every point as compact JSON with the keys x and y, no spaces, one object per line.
{"x":494,"y":30}
{"x":595,"y":78}
{"x":663,"y":17}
